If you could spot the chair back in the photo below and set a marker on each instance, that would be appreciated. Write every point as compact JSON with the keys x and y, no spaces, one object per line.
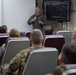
{"x":3,"y":39}
{"x":4,"y":34}
{"x":69,"y":69}
{"x":56,"y":41}
{"x":67,"y":35}
{"x":2,"y":73}
{"x":14,"y":46}
{"x":41,"y":61}
{"x":27,"y":34}
{"x":22,"y":34}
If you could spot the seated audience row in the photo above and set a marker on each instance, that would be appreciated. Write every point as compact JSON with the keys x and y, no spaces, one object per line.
{"x":16,"y":65}
{"x":36,"y":39}
{"x":68,"y":56}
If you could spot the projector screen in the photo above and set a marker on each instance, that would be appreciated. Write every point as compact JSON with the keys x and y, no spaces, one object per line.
{"x":56,"y":10}
{"x":16,"y":13}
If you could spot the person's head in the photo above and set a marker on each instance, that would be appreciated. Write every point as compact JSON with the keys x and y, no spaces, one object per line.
{"x":74,"y":35}
{"x":3,"y":29}
{"x":59,"y":70}
{"x":14,"y":33}
{"x":68,"y":54}
{"x":49,"y":30}
{"x":37,"y":10}
{"x":36,"y":37}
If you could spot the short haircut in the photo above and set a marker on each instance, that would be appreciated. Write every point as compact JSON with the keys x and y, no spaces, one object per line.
{"x":3,"y":29}
{"x":14,"y":33}
{"x":69,"y":53}
{"x":37,"y":6}
{"x":60,"y":69}
{"x":48,"y":30}
{"x":36,"y":36}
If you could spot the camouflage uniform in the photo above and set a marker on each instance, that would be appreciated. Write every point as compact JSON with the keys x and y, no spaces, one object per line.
{"x":18,"y":62}
{"x":36,"y":24}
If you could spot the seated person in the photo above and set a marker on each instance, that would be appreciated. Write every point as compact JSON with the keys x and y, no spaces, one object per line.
{"x":3,"y":29}
{"x":49,"y":30}
{"x":74,"y":40}
{"x":13,"y":33}
{"x":67,"y":56}
{"x":60,"y":69}
{"x":16,"y":65}
{"x":74,"y":35}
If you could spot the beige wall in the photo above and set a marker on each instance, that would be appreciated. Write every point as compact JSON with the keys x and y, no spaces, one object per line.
{"x":73,"y":15}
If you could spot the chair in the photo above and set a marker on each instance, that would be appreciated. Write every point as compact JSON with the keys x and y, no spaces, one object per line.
{"x":14,"y":46}
{"x":67,"y":35}
{"x":27,"y":34}
{"x":2,"y":73}
{"x":4,"y":34}
{"x":3,"y":39}
{"x":41,"y":61}
{"x":56,"y":41}
{"x":69,"y":69}
{"x":22,"y":34}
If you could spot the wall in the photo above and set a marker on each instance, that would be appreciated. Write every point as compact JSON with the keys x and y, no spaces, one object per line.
{"x":17,"y":12}
{"x":73,"y":15}
{"x":0,"y":12}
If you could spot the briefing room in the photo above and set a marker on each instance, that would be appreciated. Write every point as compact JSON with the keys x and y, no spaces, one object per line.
{"x":37,"y":37}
